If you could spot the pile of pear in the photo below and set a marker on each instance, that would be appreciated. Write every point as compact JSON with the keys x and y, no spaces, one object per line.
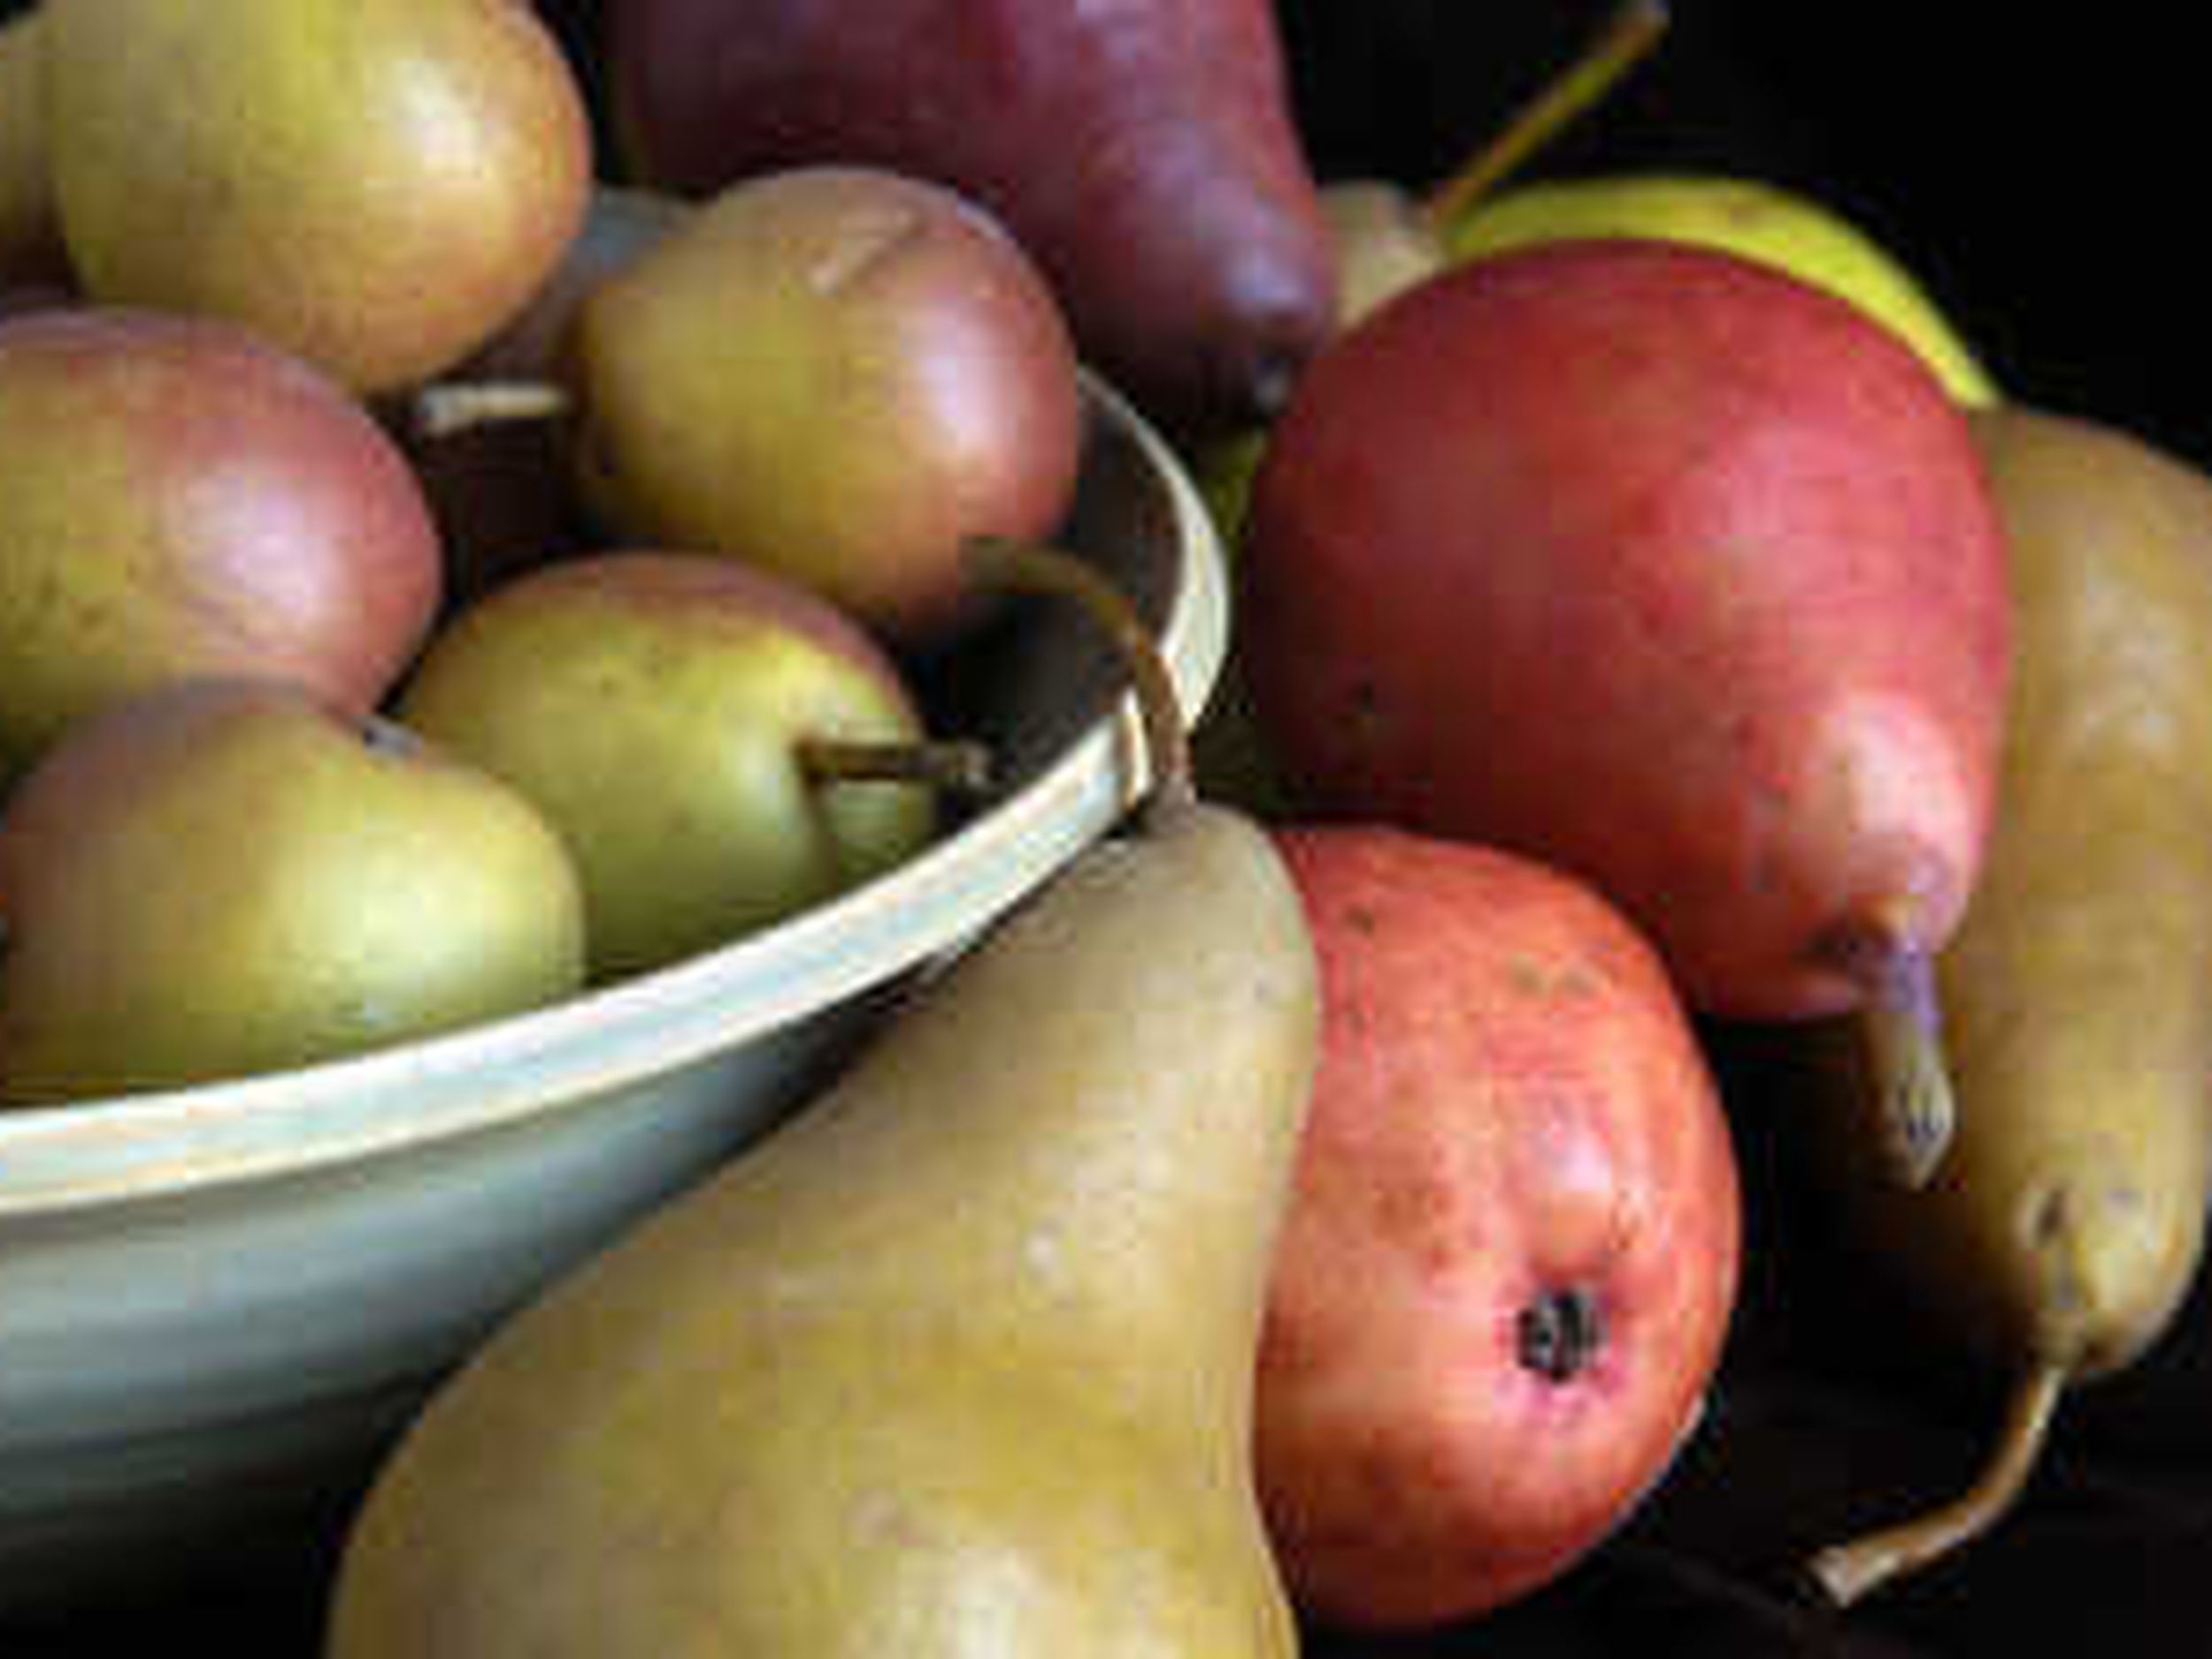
{"x":434,"y":581}
{"x":2050,"y":1226}
{"x":401,"y":561}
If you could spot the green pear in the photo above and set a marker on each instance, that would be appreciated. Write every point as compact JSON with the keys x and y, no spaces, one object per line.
{"x":218,"y":877}
{"x":377,"y":184}
{"x":1750,"y":218}
{"x":959,"y":1361}
{"x":664,"y":710}
{"x":30,"y":237}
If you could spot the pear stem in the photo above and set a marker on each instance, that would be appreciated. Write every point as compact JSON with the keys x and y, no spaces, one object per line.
{"x":1913,"y":1102}
{"x":443,"y":408}
{"x":958,"y":765}
{"x":1848,"y":1571}
{"x":1001,"y":562}
{"x":1899,"y":1022}
{"x":1627,"y":35}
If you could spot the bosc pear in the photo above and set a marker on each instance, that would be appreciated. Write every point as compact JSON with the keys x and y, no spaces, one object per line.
{"x":2059,"y":1240}
{"x":960,"y":1361}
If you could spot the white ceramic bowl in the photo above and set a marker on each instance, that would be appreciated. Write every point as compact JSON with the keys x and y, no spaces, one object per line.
{"x":217,"y":1304}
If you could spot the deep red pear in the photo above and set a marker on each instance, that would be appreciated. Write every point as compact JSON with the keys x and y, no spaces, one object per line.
{"x":1144,"y":152}
{"x":179,"y":496}
{"x":1663,"y":567}
{"x":1505,"y":1275}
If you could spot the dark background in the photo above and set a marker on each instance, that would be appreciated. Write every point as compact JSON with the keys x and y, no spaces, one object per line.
{"x":2038,"y":169}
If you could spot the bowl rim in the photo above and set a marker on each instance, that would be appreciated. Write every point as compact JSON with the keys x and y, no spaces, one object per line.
{"x":70,"y":1157}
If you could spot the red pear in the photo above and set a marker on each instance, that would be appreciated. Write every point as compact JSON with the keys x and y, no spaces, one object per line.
{"x":177,"y":495}
{"x":1144,"y":152}
{"x":1664,"y":567}
{"x":1512,"y":1254}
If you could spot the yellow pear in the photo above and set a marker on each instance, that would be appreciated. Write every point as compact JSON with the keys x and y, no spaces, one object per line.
{"x":1750,"y":218}
{"x":2066,"y":1221}
{"x":379,"y":185}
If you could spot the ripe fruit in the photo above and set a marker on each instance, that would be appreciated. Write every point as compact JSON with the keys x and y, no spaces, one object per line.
{"x":218,"y":877}
{"x":660,"y":709}
{"x":1664,"y":567}
{"x":177,"y":497}
{"x":1510,"y":1259}
{"x":836,"y":373}
{"x":375,"y":184}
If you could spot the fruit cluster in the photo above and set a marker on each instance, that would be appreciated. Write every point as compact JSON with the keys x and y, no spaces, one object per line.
{"x":1318,"y":1207}
{"x":542,"y":567}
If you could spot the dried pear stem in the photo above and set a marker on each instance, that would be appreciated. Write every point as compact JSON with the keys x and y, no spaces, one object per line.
{"x":1847,"y":1571}
{"x":999,"y":562}
{"x":1913,"y":1102}
{"x":1899,"y":1022}
{"x":1627,"y":35}
{"x":958,"y":765}
{"x":443,"y":407}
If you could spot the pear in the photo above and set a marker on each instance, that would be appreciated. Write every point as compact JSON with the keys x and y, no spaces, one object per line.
{"x":2064,"y":1232}
{"x":1748,"y":217}
{"x":959,"y":1360}
{"x":1384,"y":239}
{"x":218,"y":877}
{"x":30,"y":237}
{"x":1681,"y":574}
{"x":376,"y":184}
{"x":837,"y":373}
{"x":667,"y":712}
{"x":178,"y":495}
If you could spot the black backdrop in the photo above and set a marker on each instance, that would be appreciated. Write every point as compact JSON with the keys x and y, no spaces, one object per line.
{"x":2039,"y":169}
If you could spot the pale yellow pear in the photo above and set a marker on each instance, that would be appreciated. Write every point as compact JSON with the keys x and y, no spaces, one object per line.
{"x":1747,"y":217}
{"x":2065,"y":1224}
{"x":377,"y":185}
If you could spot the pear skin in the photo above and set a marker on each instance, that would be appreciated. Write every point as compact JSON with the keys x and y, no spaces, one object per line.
{"x":961,"y":1359}
{"x":656,"y":708}
{"x":2065,"y":1224}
